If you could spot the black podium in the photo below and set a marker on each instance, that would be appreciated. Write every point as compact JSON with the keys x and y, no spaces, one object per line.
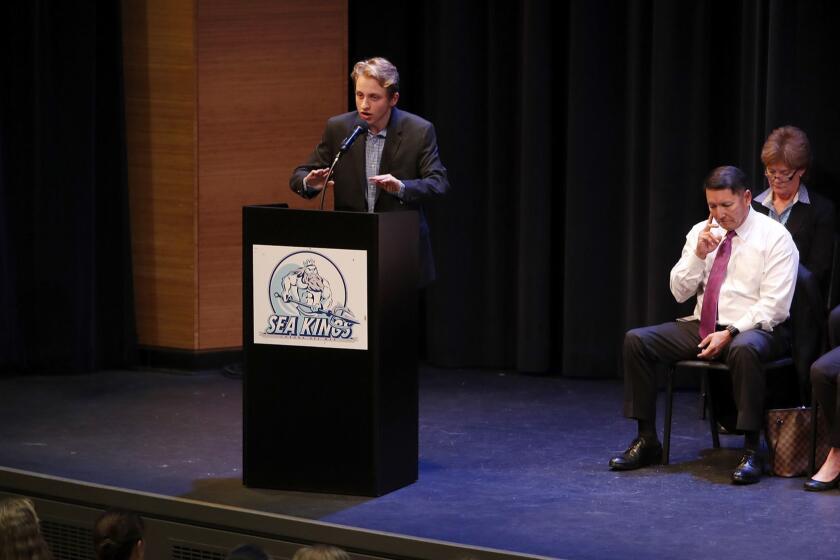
{"x":321,"y":414}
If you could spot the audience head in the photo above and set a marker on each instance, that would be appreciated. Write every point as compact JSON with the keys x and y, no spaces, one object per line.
{"x":320,"y":552}
{"x":20,"y":531}
{"x":247,"y":552}
{"x":118,"y":535}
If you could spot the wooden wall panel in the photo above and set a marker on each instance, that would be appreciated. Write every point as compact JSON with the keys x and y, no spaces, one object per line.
{"x":160,"y":78}
{"x":269,"y":75}
{"x":223,"y":99}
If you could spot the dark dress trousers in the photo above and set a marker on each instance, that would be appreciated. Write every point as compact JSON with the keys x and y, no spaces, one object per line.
{"x":824,"y":373}
{"x":410,"y":154}
{"x":668,"y":343}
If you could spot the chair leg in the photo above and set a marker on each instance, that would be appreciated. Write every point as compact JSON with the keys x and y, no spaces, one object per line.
{"x":704,"y":394}
{"x":713,"y":424}
{"x":669,"y":408}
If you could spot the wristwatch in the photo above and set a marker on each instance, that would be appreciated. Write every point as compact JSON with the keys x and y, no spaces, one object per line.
{"x":733,"y":331}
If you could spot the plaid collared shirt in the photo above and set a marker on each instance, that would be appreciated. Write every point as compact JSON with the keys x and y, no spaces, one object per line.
{"x":373,"y":158}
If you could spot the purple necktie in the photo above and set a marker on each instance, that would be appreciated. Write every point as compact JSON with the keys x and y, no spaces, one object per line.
{"x":708,"y":314}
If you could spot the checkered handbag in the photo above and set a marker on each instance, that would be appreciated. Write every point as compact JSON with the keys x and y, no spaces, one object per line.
{"x":788,"y":434}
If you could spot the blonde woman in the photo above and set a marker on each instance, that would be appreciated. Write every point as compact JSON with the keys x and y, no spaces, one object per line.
{"x":20,"y":531}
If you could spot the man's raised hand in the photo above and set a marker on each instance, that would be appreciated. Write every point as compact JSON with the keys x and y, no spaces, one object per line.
{"x":707,"y":241}
{"x":314,"y":180}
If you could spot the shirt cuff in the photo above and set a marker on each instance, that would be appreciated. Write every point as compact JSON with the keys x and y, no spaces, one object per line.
{"x":744,"y":325}
{"x":305,"y":191}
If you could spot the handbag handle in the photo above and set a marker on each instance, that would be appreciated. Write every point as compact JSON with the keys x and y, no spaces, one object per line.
{"x":779,"y":422}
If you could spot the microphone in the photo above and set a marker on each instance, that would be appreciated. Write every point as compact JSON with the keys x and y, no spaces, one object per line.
{"x":345,"y":145}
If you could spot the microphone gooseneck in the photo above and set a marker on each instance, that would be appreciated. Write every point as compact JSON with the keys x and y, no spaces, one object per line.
{"x":360,"y":129}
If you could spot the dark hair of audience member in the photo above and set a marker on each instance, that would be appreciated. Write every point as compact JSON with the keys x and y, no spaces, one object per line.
{"x":20,"y":531}
{"x":247,"y":552}
{"x":320,"y":552}
{"x":118,"y":535}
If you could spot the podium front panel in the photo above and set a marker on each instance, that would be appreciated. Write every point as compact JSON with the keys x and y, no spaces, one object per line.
{"x":323,"y":409}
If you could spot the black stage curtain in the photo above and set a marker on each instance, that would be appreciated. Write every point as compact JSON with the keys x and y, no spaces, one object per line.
{"x":577,"y":136}
{"x":65,"y":254}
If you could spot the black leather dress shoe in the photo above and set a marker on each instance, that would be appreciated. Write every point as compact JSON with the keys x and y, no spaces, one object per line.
{"x":749,"y":470}
{"x":812,"y":485}
{"x":641,"y":453}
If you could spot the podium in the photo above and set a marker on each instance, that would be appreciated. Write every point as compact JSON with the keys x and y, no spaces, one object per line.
{"x":330,"y":350}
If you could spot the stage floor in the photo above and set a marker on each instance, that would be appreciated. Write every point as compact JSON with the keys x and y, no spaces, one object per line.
{"x":506,"y":461}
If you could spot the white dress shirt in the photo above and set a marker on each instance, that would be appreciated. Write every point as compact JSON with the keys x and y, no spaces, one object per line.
{"x":760,"y":276}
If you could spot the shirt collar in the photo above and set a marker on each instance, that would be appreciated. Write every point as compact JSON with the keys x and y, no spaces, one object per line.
{"x":766,"y":197}
{"x":381,"y":134}
{"x":743,"y":231}
{"x":803,"y":194}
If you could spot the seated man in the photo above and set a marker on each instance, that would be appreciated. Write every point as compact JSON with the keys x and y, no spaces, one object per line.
{"x":742,"y":266}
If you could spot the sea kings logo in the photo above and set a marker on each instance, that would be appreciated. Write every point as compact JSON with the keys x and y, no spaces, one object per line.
{"x":311,"y":299}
